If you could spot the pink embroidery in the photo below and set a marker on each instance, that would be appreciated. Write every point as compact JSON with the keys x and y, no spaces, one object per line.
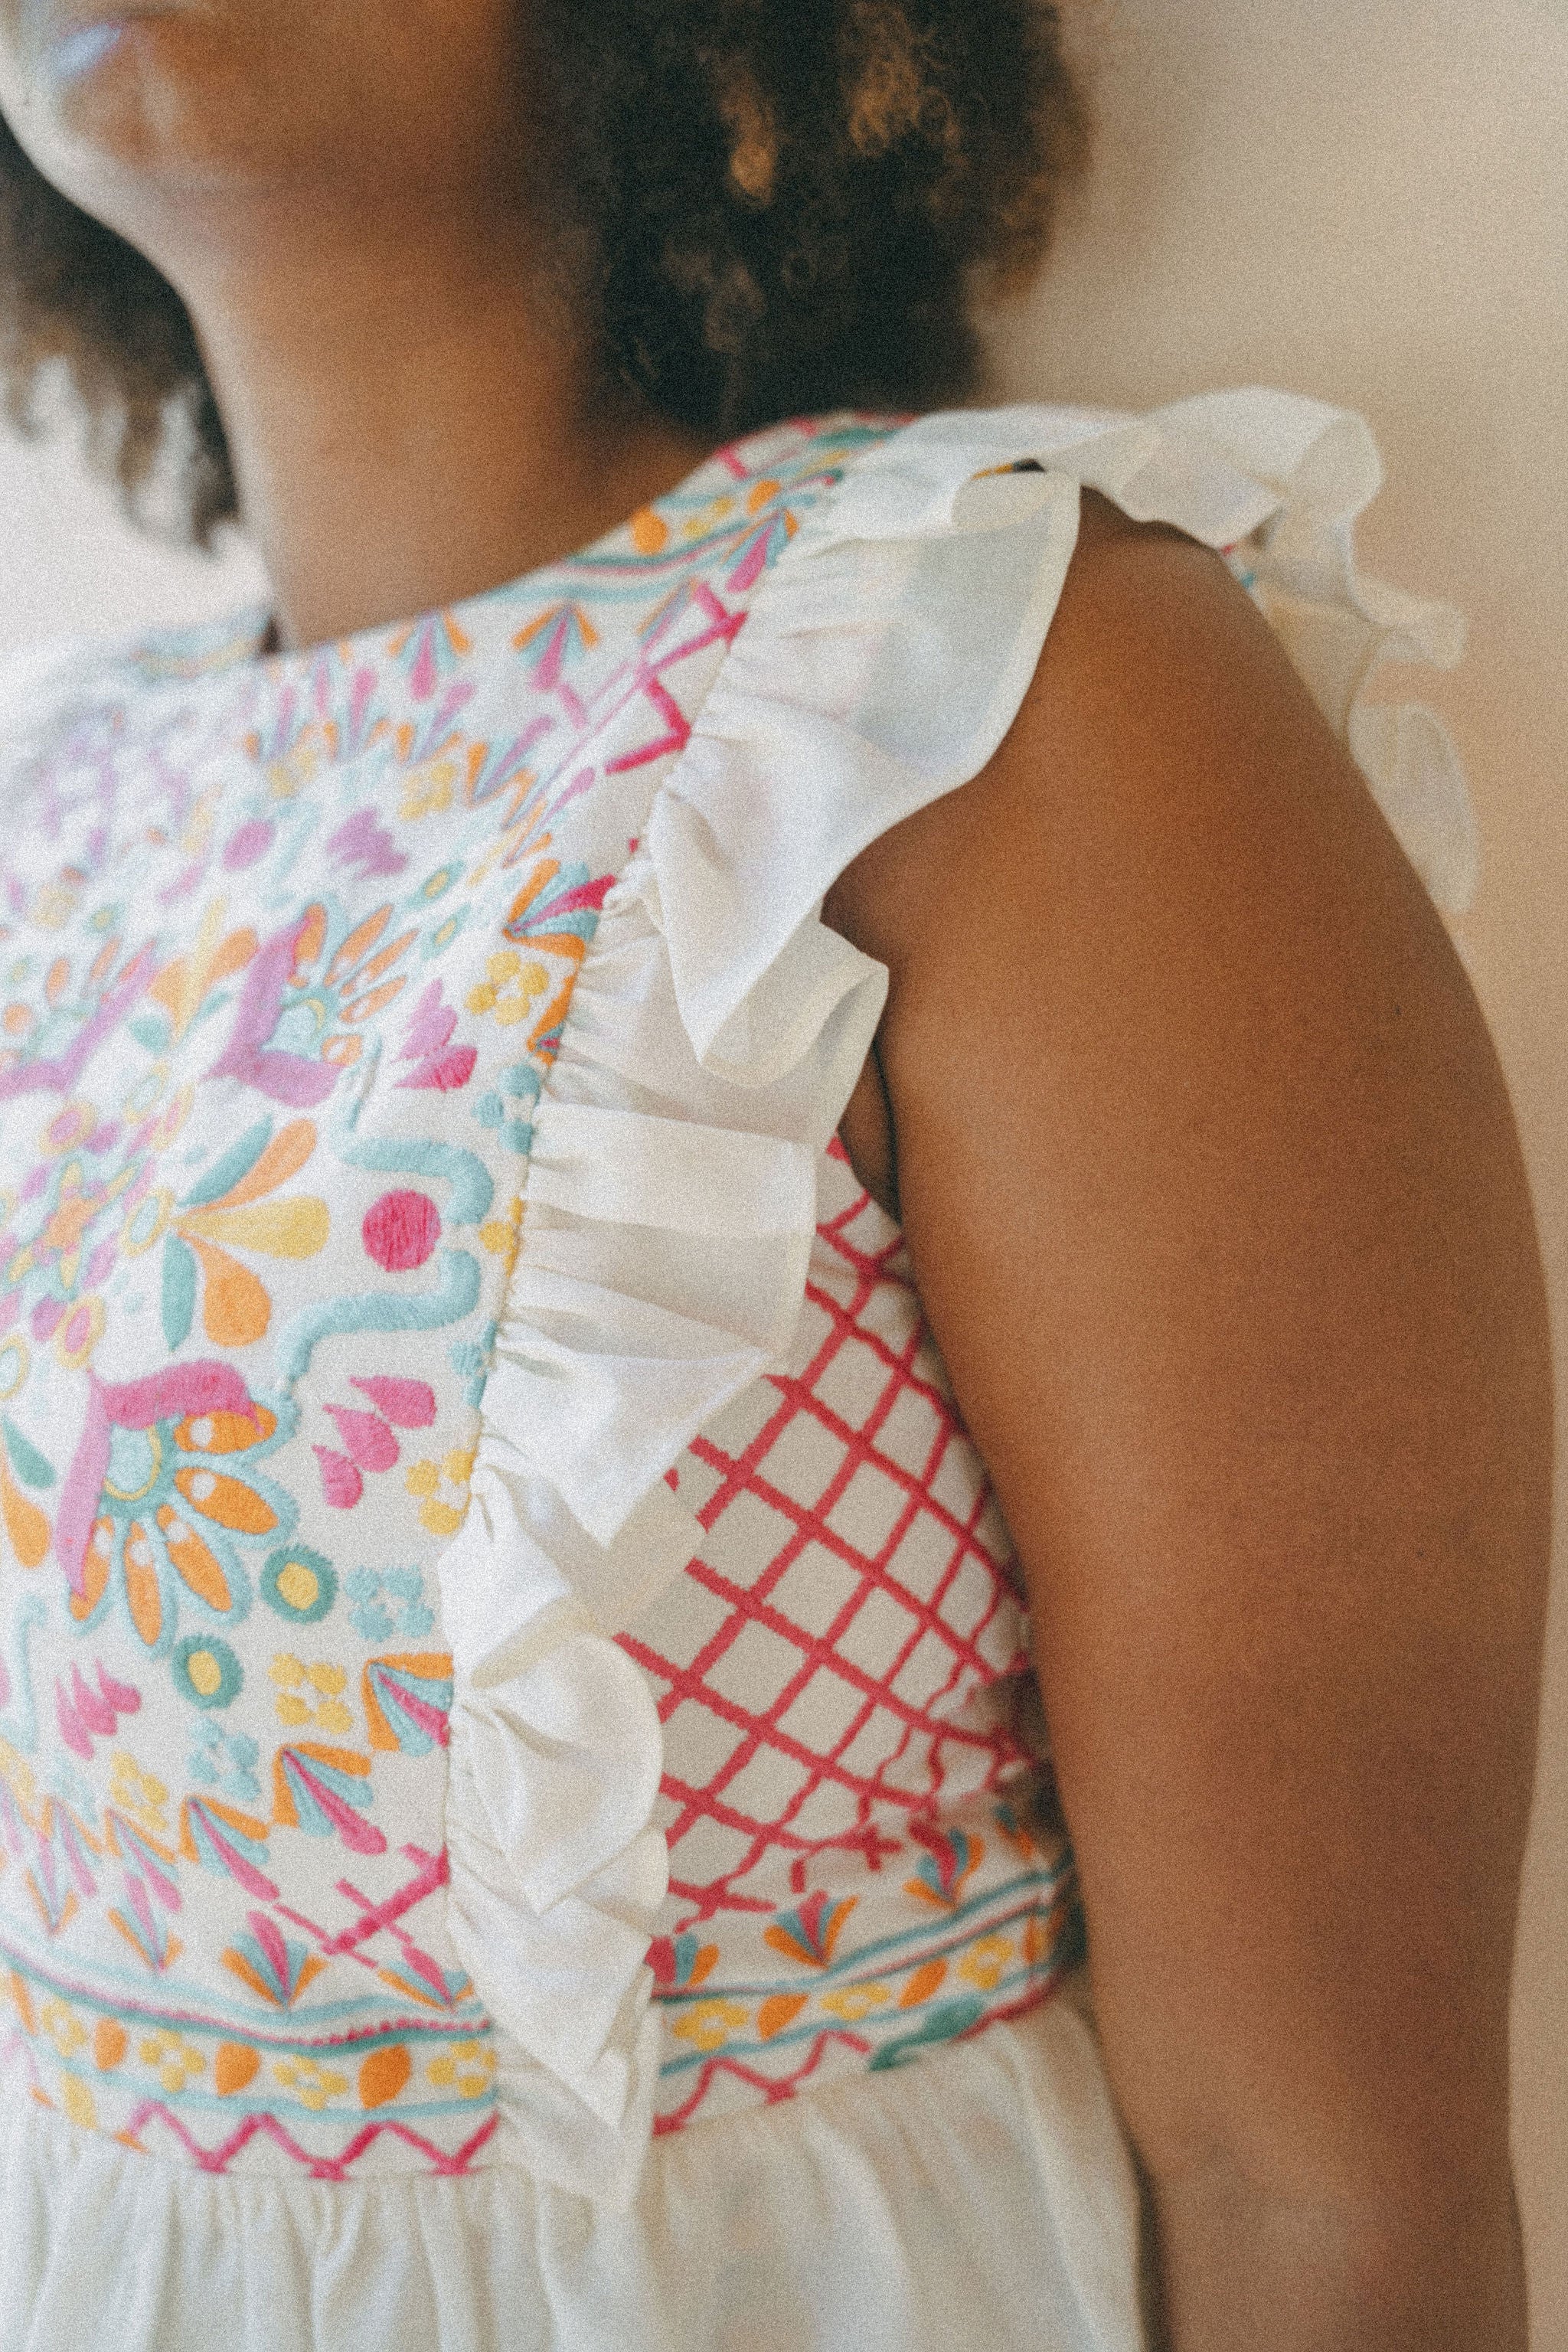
{"x":402,"y":1231}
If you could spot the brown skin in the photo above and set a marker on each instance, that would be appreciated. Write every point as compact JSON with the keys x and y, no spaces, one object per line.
{"x":1217,"y":1209}
{"x":1201,"y":1145}
{"x":342,"y":191}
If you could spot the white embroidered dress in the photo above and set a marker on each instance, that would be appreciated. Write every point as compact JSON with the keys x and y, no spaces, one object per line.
{"x":510,"y":1831}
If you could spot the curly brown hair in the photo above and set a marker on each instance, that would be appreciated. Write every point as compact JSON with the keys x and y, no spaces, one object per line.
{"x":782,"y":205}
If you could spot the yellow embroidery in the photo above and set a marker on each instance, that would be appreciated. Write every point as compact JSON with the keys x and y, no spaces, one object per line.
{"x":468,"y":2067}
{"x":173,"y":2059}
{"x":311,"y":2082}
{"x":140,"y":1794}
{"x":509,"y":988}
{"x":310,"y":1695}
{"x":709,"y":2024}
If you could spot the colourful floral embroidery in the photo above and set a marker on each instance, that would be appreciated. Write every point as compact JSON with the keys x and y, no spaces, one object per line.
{"x":225,"y":1213}
{"x":287,"y":950}
{"x":170,"y":1461}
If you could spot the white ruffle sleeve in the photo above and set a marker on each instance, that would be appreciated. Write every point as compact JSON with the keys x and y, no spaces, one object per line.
{"x":715,"y":1035}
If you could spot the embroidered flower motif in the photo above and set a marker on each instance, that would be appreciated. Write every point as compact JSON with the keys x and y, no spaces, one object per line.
{"x":400,"y":1232}
{"x":468,"y":2067}
{"x":174,"y":2061}
{"x":306,"y":999}
{"x":709,"y":2024}
{"x":762,"y":548}
{"x":206,"y":1671}
{"x":427,"y":1043}
{"x":185,"y":987}
{"x":985,"y":1962}
{"x":310,"y":1695}
{"x":388,"y":1601}
{"x":407,"y":1699}
{"x":950,"y":1859}
{"x":510,"y":987}
{"x":86,"y":1711}
{"x":851,"y":2002}
{"x":229,"y":1210}
{"x":88,"y":1204}
{"x":76,"y":1216}
{"x":63,"y":2026}
{"x":323,"y":1790}
{"x":224,"y":1839}
{"x":155,"y":1506}
{"x":680,"y":1963}
{"x":312,"y":2083}
{"x":500,"y":1236}
{"x":432,"y":1482}
{"x":429,"y":650}
{"x":554,"y":639}
{"x":138,"y":1792}
{"x":509,"y":1107}
{"x":322,"y":720}
{"x":300,"y":1584}
{"x":557,"y":910}
{"x":226,"y":1761}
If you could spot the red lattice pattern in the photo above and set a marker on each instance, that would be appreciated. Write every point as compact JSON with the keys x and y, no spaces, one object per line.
{"x":821,"y":1665}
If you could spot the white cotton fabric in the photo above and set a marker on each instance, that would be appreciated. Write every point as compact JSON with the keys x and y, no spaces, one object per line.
{"x":979,"y":2201}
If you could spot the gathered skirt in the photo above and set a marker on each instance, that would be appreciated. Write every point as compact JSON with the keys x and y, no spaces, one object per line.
{"x":979,"y":2201}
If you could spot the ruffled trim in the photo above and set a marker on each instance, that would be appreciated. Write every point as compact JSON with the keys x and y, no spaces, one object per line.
{"x":715,"y":1035}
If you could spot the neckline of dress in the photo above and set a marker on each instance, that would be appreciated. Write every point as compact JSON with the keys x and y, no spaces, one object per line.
{"x":236,"y":643}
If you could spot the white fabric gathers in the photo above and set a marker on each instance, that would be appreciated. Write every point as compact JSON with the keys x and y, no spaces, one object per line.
{"x":980,"y":2200}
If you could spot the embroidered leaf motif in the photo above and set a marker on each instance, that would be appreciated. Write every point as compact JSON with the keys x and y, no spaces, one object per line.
{"x":318,"y":1789}
{"x":384,"y":2076}
{"x":950,"y":1859}
{"x":24,"y":1523}
{"x":407,"y":1404}
{"x":407,"y":1701}
{"x":810,"y":1933}
{"x":237,"y":1162}
{"x":221,"y":1838}
{"x":26,"y":1459}
{"x":943,"y":2023}
{"x":269,"y":1965}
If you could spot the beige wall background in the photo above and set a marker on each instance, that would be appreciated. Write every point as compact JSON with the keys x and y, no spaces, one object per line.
{"x":1363,"y":199}
{"x":1368,"y":200}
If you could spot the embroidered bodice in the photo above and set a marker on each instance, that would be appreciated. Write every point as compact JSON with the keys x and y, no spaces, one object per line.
{"x":505,"y":1643}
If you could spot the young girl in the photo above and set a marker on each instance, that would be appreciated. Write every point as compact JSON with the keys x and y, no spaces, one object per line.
{"x":741,"y":1176}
